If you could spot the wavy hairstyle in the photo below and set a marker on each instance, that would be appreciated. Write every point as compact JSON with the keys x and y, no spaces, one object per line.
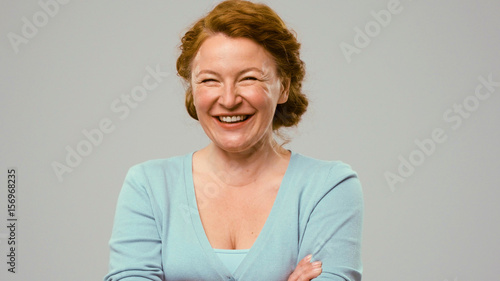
{"x":258,"y":22}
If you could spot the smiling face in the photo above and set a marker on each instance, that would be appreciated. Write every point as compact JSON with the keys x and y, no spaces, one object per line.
{"x":235,"y":92}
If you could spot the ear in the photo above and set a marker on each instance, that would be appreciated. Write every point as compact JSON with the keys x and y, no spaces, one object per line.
{"x":285,"y":89}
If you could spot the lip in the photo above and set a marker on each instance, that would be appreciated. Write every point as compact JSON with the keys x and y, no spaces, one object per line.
{"x":232,"y":114}
{"x":232,"y":126}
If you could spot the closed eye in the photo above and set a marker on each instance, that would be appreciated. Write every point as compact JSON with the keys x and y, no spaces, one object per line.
{"x":208,"y":80}
{"x":250,"y":78}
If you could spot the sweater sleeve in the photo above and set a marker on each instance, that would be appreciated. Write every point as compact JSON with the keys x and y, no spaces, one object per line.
{"x":334,"y":229}
{"x":135,"y":244}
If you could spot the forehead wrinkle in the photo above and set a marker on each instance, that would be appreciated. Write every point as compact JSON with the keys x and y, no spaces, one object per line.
{"x":214,"y":55}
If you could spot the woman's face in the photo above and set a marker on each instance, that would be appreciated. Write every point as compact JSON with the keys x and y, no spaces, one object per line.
{"x":235,"y":90}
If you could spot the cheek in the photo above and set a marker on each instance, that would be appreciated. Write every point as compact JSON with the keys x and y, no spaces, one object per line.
{"x":194,"y":93}
{"x":196,"y":98}
{"x":269,"y":94}
{"x":202,"y":99}
{"x":261,"y":98}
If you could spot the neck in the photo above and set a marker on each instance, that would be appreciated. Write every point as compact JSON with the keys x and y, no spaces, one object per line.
{"x":244,"y":168}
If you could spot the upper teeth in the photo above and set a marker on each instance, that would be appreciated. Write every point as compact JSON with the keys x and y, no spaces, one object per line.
{"x":229,"y":119}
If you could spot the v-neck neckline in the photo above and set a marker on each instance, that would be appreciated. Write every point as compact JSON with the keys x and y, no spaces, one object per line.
{"x":261,"y":238}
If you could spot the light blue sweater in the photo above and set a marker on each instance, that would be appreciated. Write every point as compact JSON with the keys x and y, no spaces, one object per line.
{"x":158,"y":234}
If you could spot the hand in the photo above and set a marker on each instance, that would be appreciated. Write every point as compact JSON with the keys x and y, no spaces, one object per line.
{"x":306,"y":270}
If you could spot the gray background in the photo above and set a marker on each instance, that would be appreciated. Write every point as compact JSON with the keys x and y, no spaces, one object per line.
{"x":439,"y":224}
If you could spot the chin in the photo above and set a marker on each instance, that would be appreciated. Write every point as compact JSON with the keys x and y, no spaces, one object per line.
{"x":236,"y":143}
{"x":232,"y":146}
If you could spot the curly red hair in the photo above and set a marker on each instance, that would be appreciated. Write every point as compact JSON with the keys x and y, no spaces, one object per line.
{"x":258,"y":22}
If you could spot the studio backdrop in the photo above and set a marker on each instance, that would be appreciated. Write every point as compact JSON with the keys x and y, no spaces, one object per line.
{"x":406,"y":92}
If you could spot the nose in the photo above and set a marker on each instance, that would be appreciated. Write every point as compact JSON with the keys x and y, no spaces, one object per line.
{"x":230,"y":97}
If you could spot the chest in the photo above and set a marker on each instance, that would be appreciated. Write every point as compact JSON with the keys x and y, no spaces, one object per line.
{"x":233,"y":217}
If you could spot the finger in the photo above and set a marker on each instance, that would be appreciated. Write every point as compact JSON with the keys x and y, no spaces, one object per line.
{"x":313,"y":271}
{"x":300,"y":268}
{"x":310,"y":271}
{"x":306,"y":270}
{"x":306,"y":260}
{"x":303,"y":266}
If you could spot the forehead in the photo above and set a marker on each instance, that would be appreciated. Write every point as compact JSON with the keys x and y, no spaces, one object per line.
{"x":221,"y":51}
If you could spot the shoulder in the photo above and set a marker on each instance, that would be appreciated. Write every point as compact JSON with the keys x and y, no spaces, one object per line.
{"x":315,"y":178}
{"x":154,"y":180}
{"x":159,"y":167}
{"x":322,"y":170}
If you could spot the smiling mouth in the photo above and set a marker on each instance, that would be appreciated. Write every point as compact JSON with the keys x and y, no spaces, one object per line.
{"x":233,"y":119}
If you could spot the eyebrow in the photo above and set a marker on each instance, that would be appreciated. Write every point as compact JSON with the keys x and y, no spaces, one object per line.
{"x":208,"y":71}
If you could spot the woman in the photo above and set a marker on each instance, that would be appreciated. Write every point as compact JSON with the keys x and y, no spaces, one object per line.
{"x":243,"y":207}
